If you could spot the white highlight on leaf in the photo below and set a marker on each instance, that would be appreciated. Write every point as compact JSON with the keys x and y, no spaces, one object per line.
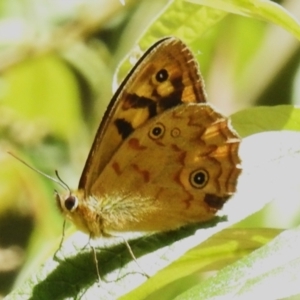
{"x":271,"y":167}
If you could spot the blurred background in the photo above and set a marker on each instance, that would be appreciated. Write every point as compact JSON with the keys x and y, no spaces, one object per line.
{"x":57,"y":63}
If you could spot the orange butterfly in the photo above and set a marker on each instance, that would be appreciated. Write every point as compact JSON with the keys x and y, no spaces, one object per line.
{"x":162,"y":157}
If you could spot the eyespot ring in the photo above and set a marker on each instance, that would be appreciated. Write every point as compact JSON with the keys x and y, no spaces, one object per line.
{"x":157,"y":131}
{"x":175,"y":132}
{"x":71,"y":203}
{"x":162,"y":75}
{"x":199,"y":178}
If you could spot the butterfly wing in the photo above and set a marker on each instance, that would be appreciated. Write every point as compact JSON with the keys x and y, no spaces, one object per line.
{"x":178,"y":168}
{"x":166,"y":76}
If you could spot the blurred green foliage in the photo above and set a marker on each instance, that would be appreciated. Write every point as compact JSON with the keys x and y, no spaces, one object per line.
{"x":57,"y":62}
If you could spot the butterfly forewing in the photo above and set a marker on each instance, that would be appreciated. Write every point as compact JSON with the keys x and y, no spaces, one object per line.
{"x":166,"y":76}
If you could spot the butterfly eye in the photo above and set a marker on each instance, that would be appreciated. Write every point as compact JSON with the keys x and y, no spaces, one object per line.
{"x":199,"y":178}
{"x":157,"y":131}
{"x":162,"y":75}
{"x":71,"y":203}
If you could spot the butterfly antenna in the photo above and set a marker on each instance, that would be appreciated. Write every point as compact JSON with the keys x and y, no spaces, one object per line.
{"x":59,"y":181}
{"x":62,"y":183}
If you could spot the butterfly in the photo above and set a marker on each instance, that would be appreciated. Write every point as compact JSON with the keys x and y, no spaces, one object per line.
{"x":162,"y":157}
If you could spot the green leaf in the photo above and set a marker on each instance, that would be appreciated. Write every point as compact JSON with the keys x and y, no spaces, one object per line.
{"x":41,"y":88}
{"x":261,"y":9}
{"x":265,"y":118}
{"x":271,"y":271}
{"x":220,"y":250}
{"x":182,"y":19}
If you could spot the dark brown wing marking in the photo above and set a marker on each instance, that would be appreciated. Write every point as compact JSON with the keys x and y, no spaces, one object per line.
{"x":124,"y":128}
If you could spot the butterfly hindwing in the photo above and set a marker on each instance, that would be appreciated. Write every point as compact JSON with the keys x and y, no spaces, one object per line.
{"x":179,"y":167}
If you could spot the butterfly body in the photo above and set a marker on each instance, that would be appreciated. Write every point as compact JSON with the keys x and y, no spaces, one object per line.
{"x":170,"y":158}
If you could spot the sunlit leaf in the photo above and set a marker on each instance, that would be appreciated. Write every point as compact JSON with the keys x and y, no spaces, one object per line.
{"x":259,"y":119}
{"x":265,"y":10}
{"x":220,"y":250}
{"x":271,"y":271}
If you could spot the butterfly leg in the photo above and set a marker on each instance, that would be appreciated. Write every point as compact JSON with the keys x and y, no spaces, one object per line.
{"x":55,"y":257}
{"x":96,"y":263}
{"x":133,"y":256}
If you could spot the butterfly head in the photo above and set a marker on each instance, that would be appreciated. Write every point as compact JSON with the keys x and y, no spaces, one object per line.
{"x":67,"y":204}
{"x":72,"y":208}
